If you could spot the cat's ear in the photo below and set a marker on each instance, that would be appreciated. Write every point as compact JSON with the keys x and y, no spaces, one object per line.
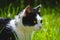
{"x":28,"y":9}
{"x":38,"y":7}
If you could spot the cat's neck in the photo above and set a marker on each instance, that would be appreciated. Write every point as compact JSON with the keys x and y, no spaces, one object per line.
{"x":24,"y":33}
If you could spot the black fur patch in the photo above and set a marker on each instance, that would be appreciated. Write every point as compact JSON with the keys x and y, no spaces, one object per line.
{"x":6,"y":33}
{"x":4,"y":21}
{"x":29,"y":20}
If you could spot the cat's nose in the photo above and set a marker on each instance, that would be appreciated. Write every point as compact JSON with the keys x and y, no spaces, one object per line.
{"x":38,"y":26}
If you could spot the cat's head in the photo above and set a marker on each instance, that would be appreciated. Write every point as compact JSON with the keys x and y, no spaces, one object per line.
{"x":31,"y":17}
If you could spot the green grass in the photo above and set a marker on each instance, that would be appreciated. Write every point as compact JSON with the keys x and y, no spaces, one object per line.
{"x":9,"y":12}
{"x":51,"y":22}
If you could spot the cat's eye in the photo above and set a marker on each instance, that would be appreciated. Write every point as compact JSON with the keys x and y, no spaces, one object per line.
{"x":34,"y":21}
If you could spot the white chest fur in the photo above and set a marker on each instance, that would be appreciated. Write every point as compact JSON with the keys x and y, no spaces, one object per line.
{"x":24,"y":32}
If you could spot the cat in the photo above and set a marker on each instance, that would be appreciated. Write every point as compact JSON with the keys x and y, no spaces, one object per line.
{"x":24,"y":24}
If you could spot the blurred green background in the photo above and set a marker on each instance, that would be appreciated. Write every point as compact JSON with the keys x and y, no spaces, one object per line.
{"x":50,"y":11}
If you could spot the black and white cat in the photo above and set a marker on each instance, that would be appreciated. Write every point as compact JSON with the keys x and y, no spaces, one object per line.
{"x":23,"y":25}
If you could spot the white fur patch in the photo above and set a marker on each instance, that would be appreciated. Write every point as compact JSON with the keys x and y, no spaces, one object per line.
{"x":11,"y":24}
{"x":39,"y":25}
{"x":38,"y":17}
